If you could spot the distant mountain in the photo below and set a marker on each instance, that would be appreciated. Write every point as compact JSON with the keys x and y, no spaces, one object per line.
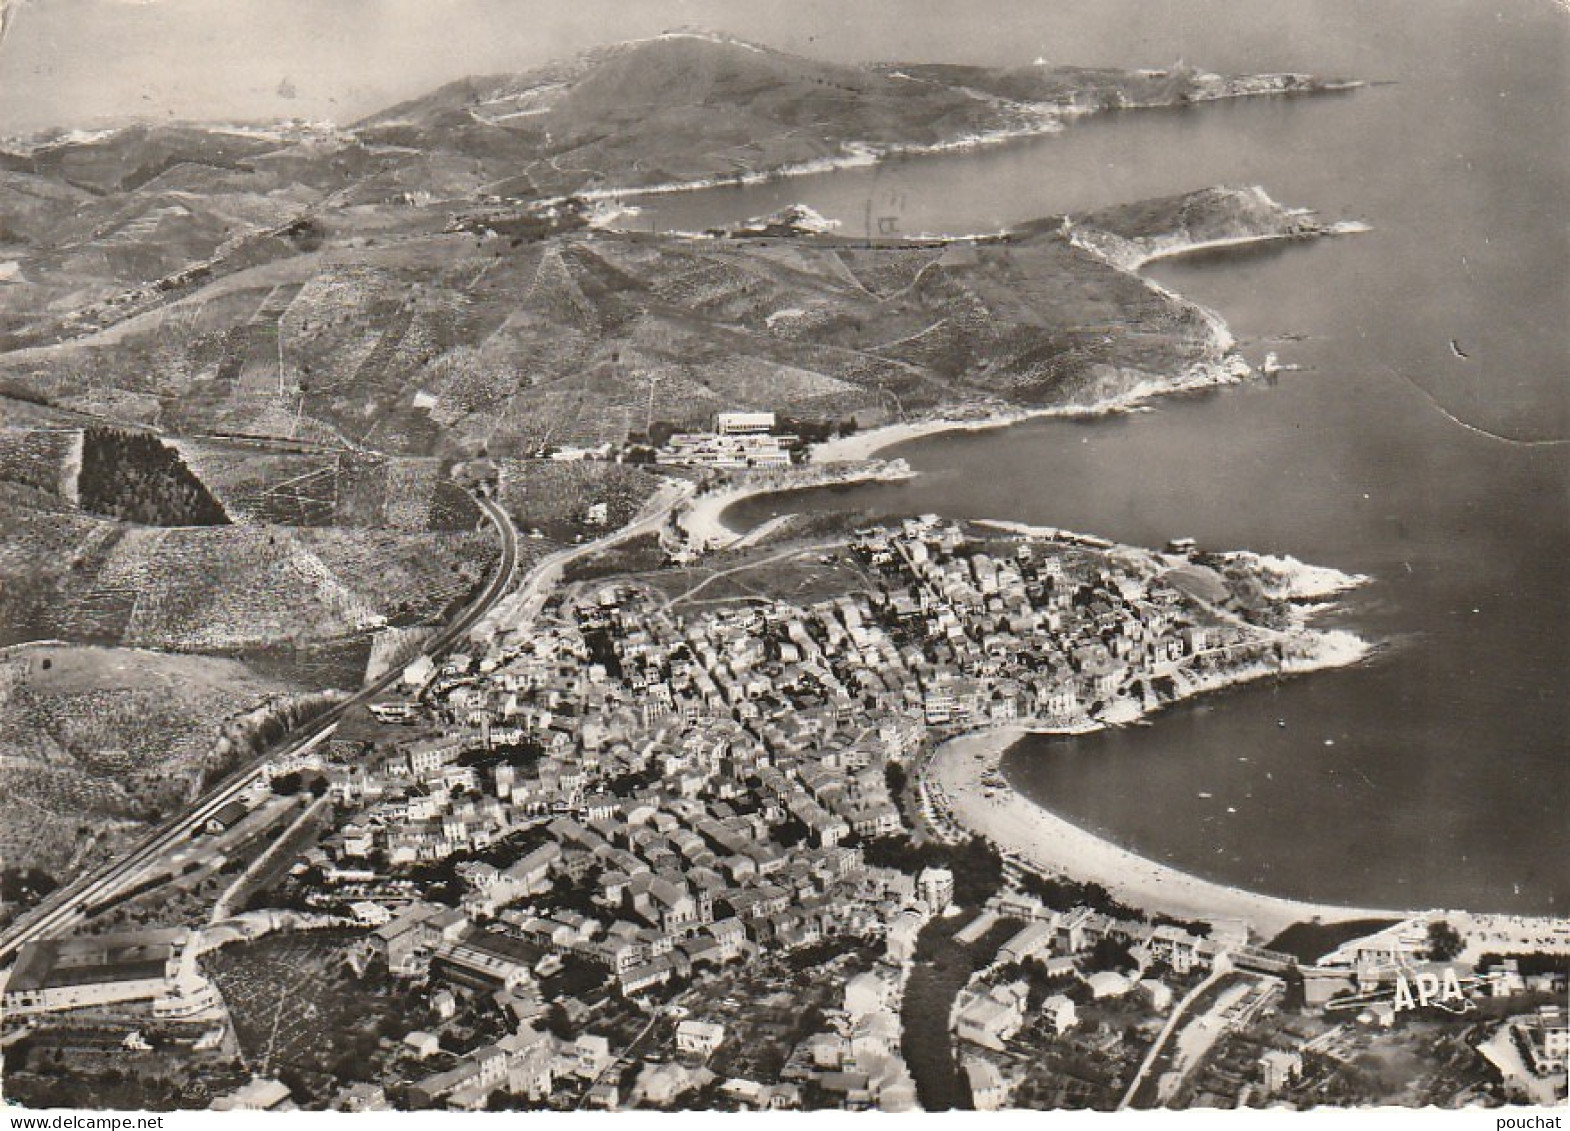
{"x":126,"y":159}
{"x":99,"y":229}
{"x":682,"y":107}
{"x":694,"y":106}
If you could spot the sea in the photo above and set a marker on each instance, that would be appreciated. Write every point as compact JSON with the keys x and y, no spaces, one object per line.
{"x":1424,"y":442}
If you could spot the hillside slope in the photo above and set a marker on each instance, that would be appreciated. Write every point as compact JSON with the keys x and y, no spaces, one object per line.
{"x":98,"y":229}
{"x":591,"y":337}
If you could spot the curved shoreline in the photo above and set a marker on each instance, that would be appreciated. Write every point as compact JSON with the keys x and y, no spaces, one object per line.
{"x":870,"y":444}
{"x":702,"y":521}
{"x":1041,"y":840}
{"x":952,"y":778}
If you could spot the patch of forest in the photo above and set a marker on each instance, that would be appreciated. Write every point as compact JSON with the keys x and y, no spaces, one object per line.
{"x":135,"y":477}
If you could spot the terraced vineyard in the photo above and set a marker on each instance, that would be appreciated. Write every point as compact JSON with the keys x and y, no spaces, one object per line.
{"x":593,"y":336}
{"x":47,"y":460}
{"x":324,"y":548}
{"x":99,"y":739}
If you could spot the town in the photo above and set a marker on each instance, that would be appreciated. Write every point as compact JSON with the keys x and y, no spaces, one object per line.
{"x":667,"y":843}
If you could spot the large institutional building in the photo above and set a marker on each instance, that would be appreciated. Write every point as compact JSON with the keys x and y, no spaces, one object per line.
{"x":57,"y":974}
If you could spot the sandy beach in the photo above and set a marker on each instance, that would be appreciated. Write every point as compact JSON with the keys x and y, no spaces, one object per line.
{"x":1046,"y":842}
{"x":866,"y":445}
{"x":701,"y":521}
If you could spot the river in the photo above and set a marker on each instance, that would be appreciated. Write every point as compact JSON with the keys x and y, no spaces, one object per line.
{"x":1410,"y":448}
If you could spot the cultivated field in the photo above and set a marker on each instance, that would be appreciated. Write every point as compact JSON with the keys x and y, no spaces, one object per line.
{"x":594,"y":336}
{"x":99,"y":741}
{"x":301,"y":1012}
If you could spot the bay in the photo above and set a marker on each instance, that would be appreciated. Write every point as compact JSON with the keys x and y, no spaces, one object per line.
{"x":1436,"y":775}
{"x":1447,"y":780}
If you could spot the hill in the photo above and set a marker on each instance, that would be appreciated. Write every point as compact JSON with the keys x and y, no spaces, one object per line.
{"x":300,"y":582}
{"x":1131,"y":234}
{"x":446,"y":344}
{"x":684,"y":107}
{"x":101,"y":228}
{"x":100,"y":740}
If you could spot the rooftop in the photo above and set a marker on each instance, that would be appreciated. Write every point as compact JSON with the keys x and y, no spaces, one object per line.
{"x":129,"y":956}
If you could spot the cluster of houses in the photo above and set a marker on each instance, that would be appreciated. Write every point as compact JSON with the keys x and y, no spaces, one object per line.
{"x":989,"y":1014}
{"x":1019,"y":626}
{"x":649,"y":794}
{"x":857,"y":1061}
{"x":992,"y":1012}
{"x":653,"y":793}
{"x":523,"y":1063}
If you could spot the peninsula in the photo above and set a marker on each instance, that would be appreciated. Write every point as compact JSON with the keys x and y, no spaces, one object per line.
{"x":392,"y":722}
{"x":245,"y":457}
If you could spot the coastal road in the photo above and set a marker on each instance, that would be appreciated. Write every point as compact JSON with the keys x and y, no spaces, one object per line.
{"x":64,"y":906}
{"x":1174,"y":1020}
{"x":536,"y":588}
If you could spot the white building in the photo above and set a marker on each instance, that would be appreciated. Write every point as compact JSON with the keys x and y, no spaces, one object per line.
{"x":257,"y":1095}
{"x":743,"y":423}
{"x":593,"y":1054}
{"x":733,"y":452}
{"x":1280,"y":1069}
{"x":59,"y":974}
{"x":935,"y":887}
{"x":1108,"y":983}
{"x":423,"y":1044}
{"x":1061,"y":1013}
{"x":1157,"y":993}
{"x":989,"y":1017}
{"x":700,"y":1038}
{"x":988,"y":1091}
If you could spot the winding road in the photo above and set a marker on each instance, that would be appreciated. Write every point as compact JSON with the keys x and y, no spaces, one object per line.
{"x":535,"y":589}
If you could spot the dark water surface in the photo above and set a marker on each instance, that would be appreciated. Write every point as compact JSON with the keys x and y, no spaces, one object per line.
{"x":1448,"y":776}
{"x":1439,"y":773}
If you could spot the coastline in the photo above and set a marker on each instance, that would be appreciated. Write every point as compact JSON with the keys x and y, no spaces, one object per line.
{"x":1227,"y":369}
{"x":701,"y":522}
{"x":869,"y":444}
{"x":1042,"y":841}
{"x":1050,"y":118}
{"x":1339,"y":228}
{"x":952,"y":779}
{"x":852,"y":155}
{"x":1132,"y":255}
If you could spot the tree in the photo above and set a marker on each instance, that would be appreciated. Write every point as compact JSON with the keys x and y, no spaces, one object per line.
{"x":1109,"y":954}
{"x":558,"y":1024}
{"x":18,"y":884}
{"x":1444,"y":941}
{"x":135,"y":477}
